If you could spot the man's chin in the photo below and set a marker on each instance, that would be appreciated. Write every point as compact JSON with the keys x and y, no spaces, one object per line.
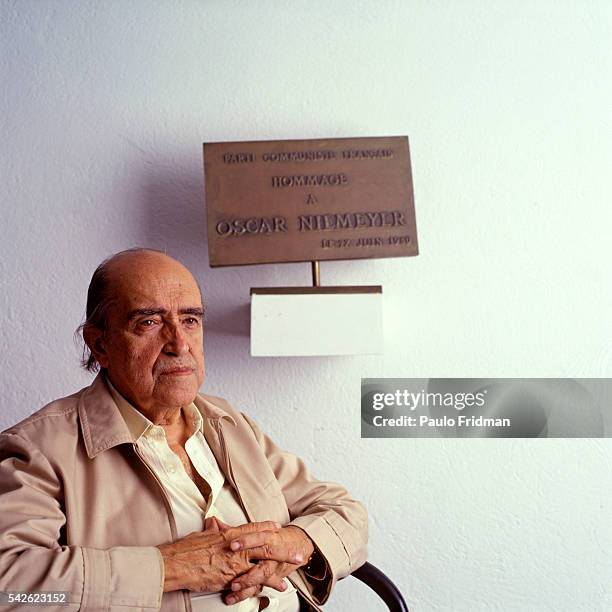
{"x":176,"y":391}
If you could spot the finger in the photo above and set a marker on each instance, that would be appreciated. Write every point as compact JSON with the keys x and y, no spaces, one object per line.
{"x":236,"y":532}
{"x":276,"y":552}
{"x":223,"y":526}
{"x":252,"y":540}
{"x":277,"y":581}
{"x":267,"y":573}
{"x":257,"y":575}
{"x":215,"y":524}
{"x":235,"y":597}
{"x":212,"y":524}
{"x":271,"y":574}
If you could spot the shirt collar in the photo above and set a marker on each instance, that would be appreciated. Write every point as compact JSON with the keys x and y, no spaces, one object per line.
{"x":139,"y":424}
{"x":104,"y":427}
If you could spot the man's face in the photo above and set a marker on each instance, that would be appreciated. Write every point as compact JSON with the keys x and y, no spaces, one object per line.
{"x":153,"y":347}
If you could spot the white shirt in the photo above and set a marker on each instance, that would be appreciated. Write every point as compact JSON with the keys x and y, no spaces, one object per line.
{"x":189,"y":508}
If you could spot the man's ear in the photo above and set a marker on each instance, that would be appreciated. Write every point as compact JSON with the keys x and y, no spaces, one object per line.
{"x":94,"y":339}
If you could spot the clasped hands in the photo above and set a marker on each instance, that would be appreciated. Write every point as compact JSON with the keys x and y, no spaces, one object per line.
{"x":240,"y":560}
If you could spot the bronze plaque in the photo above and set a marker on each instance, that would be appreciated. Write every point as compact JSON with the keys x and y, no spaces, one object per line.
{"x":308,"y":200}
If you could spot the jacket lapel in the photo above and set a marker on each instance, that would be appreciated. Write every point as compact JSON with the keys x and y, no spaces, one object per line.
{"x":242,"y":461}
{"x":103,"y":427}
{"x":101,"y":422}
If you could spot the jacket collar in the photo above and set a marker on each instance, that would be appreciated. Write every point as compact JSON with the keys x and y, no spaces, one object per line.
{"x":103,"y":426}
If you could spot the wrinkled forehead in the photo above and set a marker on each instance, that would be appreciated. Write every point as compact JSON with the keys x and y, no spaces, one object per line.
{"x":153,"y":282}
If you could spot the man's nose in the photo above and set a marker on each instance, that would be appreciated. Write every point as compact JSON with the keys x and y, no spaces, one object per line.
{"x":176,"y":341}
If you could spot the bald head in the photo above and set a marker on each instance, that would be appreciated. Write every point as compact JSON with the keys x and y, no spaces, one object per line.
{"x":137,"y":257}
{"x":127,"y":269}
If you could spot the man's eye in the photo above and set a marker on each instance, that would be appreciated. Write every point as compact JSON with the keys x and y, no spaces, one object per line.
{"x":192,"y":321}
{"x":147,"y":323}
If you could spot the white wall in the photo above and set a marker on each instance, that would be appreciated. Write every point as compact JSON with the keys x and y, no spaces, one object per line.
{"x":507,"y":105}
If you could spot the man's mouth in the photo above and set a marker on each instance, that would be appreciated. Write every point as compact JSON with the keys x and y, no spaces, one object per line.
{"x":182,"y":371}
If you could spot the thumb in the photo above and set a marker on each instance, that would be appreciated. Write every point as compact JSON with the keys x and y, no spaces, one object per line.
{"x":222,"y":526}
{"x":212,"y":524}
{"x":215,"y":524}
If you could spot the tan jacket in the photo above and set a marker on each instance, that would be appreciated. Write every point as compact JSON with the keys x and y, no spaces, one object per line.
{"x":81,"y":512}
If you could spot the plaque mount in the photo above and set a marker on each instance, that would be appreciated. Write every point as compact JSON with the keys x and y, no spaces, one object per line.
{"x":310,"y":201}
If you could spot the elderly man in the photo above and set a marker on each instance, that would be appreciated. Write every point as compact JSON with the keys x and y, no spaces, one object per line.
{"x":136,"y":493}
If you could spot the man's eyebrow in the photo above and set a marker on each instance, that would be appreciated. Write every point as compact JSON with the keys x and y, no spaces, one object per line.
{"x":194,"y":310}
{"x":145,"y":312}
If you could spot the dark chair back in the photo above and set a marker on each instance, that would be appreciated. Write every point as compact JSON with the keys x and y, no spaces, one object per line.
{"x":382,"y":586}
